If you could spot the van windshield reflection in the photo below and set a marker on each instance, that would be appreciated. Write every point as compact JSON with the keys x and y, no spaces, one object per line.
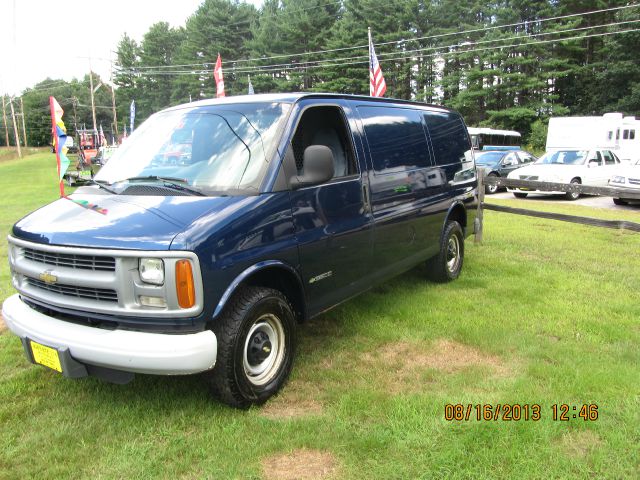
{"x":213,"y":149}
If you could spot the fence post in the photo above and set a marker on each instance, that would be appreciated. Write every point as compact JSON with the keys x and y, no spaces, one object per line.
{"x":479,"y":214}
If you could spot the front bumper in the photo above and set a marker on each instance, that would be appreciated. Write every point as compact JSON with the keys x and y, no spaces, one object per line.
{"x":129,"y":351}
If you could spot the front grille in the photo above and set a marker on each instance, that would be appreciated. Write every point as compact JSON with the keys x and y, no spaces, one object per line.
{"x":528,"y":177}
{"x":634,"y":181}
{"x":87,"y":262}
{"x":99,"y":294}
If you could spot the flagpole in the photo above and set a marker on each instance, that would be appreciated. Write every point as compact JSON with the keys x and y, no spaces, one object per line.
{"x":55,"y":143}
{"x":370,"y":83}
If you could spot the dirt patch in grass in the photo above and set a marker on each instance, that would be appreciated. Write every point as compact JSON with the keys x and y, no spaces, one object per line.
{"x":444,"y":355}
{"x":407,"y":361}
{"x":301,"y":464}
{"x":296,"y":400}
{"x":3,"y":326}
{"x":580,"y":443}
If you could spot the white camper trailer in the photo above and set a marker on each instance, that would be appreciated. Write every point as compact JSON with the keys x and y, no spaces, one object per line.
{"x":611,"y":131}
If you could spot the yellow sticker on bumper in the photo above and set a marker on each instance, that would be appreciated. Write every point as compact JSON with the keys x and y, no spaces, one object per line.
{"x":46,"y":356}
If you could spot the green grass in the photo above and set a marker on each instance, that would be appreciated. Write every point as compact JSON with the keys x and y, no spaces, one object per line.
{"x":11,"y":153}
{"x":550,"y":309}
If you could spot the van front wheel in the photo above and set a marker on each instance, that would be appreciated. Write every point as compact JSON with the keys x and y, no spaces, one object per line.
{"x":256,"y":345}
{"x":447,"y":265}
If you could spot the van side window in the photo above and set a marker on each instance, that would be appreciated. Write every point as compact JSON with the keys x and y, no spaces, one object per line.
{"x":632,"y":134}
{"x":396,"y":138}
{"x":325,"y":126}
{"x":449,"y":137}
{"x":625,"y":134}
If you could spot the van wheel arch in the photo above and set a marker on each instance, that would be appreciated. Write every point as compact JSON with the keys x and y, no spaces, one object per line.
{"x":458,"y":213}
{"x":274,"y":275}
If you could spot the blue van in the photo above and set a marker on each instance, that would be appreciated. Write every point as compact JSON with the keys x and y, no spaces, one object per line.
{"x":279,"y":208}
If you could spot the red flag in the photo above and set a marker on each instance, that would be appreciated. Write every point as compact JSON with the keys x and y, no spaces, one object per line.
{"x":217,"y":74}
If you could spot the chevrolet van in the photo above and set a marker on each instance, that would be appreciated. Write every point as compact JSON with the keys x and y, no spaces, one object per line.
{"x":280,"y":208}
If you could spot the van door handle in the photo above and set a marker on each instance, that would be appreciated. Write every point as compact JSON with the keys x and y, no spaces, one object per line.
{"x":365,"y":197}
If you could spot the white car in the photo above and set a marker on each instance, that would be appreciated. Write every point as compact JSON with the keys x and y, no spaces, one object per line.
{"x":628,"y":177}
{"x":589,"y":167}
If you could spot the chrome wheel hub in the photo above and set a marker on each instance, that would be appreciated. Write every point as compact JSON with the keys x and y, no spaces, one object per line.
{"x":453,"y":253}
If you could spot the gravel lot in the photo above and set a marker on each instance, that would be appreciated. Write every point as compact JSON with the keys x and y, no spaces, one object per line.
{"x":588,"y":201}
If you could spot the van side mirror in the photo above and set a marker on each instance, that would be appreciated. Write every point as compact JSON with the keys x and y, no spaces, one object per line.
{"x":317,"y":165}
{"x":593,"y":163}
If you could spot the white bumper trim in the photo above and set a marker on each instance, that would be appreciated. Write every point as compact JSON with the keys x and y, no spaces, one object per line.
{"x":129,"y":351}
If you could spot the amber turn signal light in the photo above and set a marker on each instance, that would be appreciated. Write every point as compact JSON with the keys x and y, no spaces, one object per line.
{"x":184,"y":284}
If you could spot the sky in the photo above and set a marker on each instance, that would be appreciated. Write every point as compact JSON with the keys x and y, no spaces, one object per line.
{"x":43,"y":38}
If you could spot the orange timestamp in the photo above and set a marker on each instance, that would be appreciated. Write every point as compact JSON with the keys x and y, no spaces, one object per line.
{"x":515,"y":412}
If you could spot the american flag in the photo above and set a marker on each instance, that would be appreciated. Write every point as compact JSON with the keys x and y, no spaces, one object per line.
{"x":377,"y":85}
{"x":217,"y":75}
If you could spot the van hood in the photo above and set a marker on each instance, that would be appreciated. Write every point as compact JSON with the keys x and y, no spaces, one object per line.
{"x":116,"y":221}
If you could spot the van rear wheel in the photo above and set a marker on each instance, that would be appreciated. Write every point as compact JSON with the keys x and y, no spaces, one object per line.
{"x":447,"y":265}
{"x":256,"y":346}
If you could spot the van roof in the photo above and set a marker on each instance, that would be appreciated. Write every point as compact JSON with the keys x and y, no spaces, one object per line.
{"x":294,"y":97}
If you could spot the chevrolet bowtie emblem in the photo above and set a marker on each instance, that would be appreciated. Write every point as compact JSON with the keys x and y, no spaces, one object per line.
{"x":48,"y":277}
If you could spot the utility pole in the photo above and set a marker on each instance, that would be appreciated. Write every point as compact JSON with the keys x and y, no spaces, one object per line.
{"x":93,"y":104}
{"x":4,"y":118}
{"x":24,"y":130}
{"x":74,"y":102}
{"x":113,"y":104}
{"x":15,"y":128}
{"x":113,"y":97}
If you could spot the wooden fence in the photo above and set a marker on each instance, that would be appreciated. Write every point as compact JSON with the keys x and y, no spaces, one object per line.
{"x":551,"y":187}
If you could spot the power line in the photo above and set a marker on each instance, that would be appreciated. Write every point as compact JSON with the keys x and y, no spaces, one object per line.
{"x":403,"y":55}
{"x":406,"y":53}
{"x":494,"y":27}
{"x":461,"y":52}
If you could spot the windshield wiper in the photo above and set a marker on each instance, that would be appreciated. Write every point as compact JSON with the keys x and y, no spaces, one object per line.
{"x":101,"y":185}
{"x":169,"y":182}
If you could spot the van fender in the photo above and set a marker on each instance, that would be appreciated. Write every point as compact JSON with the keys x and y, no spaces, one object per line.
{"x":246,"y":274}
{"x":455,"y":205}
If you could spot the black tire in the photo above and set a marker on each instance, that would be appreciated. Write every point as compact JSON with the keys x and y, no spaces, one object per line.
{"x":520,"y":195}
{"x":619,"y":201}
{"x":250,"y":315}
{"x":447,"y":265}
{"x":491,"y":189}
{"x":570,"y":195}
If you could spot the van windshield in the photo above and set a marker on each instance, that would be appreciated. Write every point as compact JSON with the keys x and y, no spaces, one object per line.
{"x":223,"y":148}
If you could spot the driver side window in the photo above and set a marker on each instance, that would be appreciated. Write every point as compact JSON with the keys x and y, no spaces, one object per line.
{"x":325,"y":126}
{"x":510,"y":159}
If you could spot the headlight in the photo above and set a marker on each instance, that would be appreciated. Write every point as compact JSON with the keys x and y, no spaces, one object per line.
{"x":151,"y":270}
{"x":618,"y":179}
